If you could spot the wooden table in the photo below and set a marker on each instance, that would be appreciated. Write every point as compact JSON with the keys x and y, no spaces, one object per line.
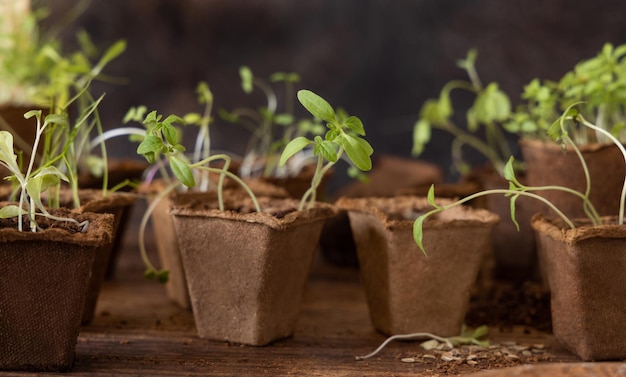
{"x":138,"y":331}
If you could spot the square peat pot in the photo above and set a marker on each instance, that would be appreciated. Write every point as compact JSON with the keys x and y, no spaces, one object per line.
{"x":408,"y":291}
{"x":586,"y":270}
{"x":246,"y":271}
{"x":43,"y":284}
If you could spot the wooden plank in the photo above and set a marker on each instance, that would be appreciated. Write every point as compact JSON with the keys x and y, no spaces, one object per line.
{"x":138,"y":331}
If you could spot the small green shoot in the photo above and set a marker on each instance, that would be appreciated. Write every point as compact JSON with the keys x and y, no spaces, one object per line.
{"x":491,"y":108}
{"x":343,"y":136}
{"x":559,"y":132}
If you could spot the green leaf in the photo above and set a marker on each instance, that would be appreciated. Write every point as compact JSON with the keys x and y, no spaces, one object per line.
{"x":204,"y":93}
{"x":421,"y":136}
{"x":192,"y":118}
{"x":170,"y":133}
{"x":355,"y":124}
{"x":152,"y":118}
{"x":509,"y":170}
{"x":294,"y":146}
{"x":182,"y":171}
{"x":492,"y":105}
{"x":358,"y":151}
{"x":150,"y":144}
{"x":283,"y":119}
{"x":10,"y":211}
{"x":246,"y":79}
{"x":326,"y":148}
{"x":316,"y":105}
{"x":437,"y":112}
{"x":7,"y":153}
{"x":418,"y":233}
{"x":135,"y":114}
{"x":32,"y":113}
{"x":431,"y":196}
{"x":111,"y":53}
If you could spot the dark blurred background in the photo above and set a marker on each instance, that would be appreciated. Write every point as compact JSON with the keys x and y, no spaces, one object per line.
{"x":379,"y":59}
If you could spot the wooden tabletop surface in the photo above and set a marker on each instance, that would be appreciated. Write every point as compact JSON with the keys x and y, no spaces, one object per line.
{"x":138,"y":331}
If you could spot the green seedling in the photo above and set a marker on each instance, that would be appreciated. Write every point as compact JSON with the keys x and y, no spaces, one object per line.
{"x":160,"y":145}
{"x":270,"y":129}
{"x":491,"y":107}
{"x":34,"y":71}
{"x":598,"y":87}
{"x":559,"y":132}
{"x":36,"y":180}
{"x":344,"y":135}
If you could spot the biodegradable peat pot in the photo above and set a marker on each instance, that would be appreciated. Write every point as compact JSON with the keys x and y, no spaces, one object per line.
{"x":167,"y":245}
{"x":118,"y":204}
{"x":246,"y":271}
{"x":585,"y":268}
{"x":389,"y":174}
{"x":43,"y":283}
{"x":546,"y":164}
{"x":406,"y":291}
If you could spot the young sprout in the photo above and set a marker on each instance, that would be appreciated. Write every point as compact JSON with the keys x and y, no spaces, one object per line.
{"x":161,"y":146}
{"x":490,"y":109}
{"x":343,"y":135}
{"x":271,"y":129}
{"x":558,"y":131}
{"x":36,"y":180}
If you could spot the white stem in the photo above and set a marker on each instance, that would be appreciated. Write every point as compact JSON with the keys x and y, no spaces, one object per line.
{"x":122,"y":131}
{"x":405,"y":337}
{"x":623,"y":150}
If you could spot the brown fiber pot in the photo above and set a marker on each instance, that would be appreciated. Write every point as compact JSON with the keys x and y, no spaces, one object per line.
{"x":406,"y":291}
{"x":167,"y":245}
{"x":585,"y":268}
{"x":43,"y":283}
{"x":118,"y":204}
{"x":546,"y":164}
{"x":246,"y":271}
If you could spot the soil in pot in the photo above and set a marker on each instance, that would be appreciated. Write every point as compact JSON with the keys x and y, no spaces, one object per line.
{"x":407,"y":291}
{"x":43,"y":284}
{"x":585,"y":268}
{"x":246,"y":271}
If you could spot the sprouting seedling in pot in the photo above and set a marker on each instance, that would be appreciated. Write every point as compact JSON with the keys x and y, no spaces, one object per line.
{"x":558,"y":131}
{"x":161,"y":146}
{"x":343,"y":136}
{"x":36,"y":180}
{"x":595,"y":84}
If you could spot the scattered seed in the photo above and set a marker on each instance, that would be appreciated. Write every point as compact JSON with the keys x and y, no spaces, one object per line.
{"x":428,"y":356}
{"x":408,"y":360}
{"x":472,"y":362}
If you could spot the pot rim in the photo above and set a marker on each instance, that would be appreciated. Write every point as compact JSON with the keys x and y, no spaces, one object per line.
{"x":457,"y":216}
{"x":556,"y":229}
